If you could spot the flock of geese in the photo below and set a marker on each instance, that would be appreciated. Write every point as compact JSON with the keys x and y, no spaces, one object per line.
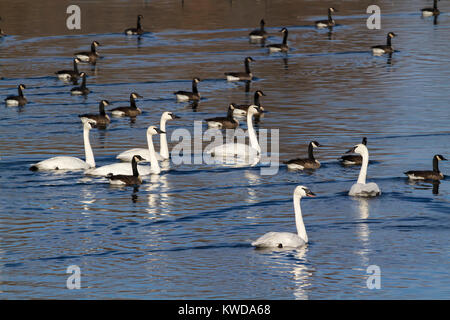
{"x":128,"y":171}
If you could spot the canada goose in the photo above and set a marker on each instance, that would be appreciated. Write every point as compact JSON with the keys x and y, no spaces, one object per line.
{"x":260,"y":33}
{"x":89,"y":56}
{"x":237,"y":76}
{"x":287,"y":239}
{"x":227,"y":122}
{"x":138,"y":30}
{"x":280,"y":47}
{"x":353,"y":158}
{"x":361,"y":188}
{"x":19,"y":100}
{"x":70,"y":75}
{"x":427,"y":12}
{"x":305,"y":163}
{"x":241,"y":110}
{"x":71,"y":163}
{"x":241,"y":149}
{"x":329,"y":22}
{"x":101,"y":119}
{"x":378,"y":50}
{"x":435,"y":174}
{"x":131,"y":111}
{"x":122,"y":179}
{"x":145,"y":152}
{"x":189,"y":96}
{"x":81,"y":90}
{"x":2,"y":34}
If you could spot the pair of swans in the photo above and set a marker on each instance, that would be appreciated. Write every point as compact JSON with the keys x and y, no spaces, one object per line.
{"x":73,"y":163}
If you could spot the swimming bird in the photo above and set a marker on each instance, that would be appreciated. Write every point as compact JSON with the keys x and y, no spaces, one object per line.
{"x":101,"y":119}
{"x":287,"y":239}
{"x":435,"y":174}
{"x":131,"y":111}
{"x":138,"y":30}
{"x":241,"y":109}
{"x":19,"y":100}
{"x":71,"y":163}
{"x":241,"y":149}
{"x":81,"y":90}
{"x":237,"y":76}
{"x":259,"y":34}
{"x":2,"y":34}
{"x":329,"y":22}
{"x":427,"y":12}
{"x":145,"y":152}
{"x":381,"y":49}
{"x":361,"y":188}
{"x":70,"y":75}
{"x":280,"y":47}
{"x":189,"y":96}
{"x":134,"y":179}
{"x":89,"y":56}
{"x":305,"y":163}
{"x":353,"y":158}
{"x":124,"y":168}
{"x":227,"y":122}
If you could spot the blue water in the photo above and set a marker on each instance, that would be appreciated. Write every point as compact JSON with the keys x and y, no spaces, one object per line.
{"x":187,"y":232}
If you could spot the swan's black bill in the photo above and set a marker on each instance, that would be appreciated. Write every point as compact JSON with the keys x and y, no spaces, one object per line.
{"x":309,"y":193}
{"x":352,"y":150}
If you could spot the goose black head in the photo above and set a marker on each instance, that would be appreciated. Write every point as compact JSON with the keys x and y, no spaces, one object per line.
{"x":262,"y":22}
{"x":140,"y":16}
{"x":259,"y":93}
{"x":197,"y":80}
{"x":82,"y":74}
{"x":135,"y":95}
{"x":315,"y":144}
{"x":440,"y":157}
{"x":364,"y":140}
{"x":105,"y":103}
{"x":22,"y":86}
{"x":76,"y":60}
{"x":96,"y":44}
{"x":332,"y":9}
{"x":391,"y":34}
{"x":137,"y":158}
{"x":248,"y":59}
{"x":283,"y":30}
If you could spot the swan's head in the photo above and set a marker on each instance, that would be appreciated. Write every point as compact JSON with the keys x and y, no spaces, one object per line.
{"x":332,"y":10}
{"x":137,"y":158}
{"x":95,"y":44}
{"x":302,"y":191}
{"x":359,"y":148}
{"x":197,"y":80}
{"x":391,"y":35}
{"x":153,"y":130}
{"x":135,"y":95}
{"x":253,"y":109}
{"x":248,"y":59}
{"x":364,"y":141}
{"x":167,"y":115}
{"x":439,"y":157}
{"x":88,"y":123}
{"x":22,"y":86}
{"x":315,"y":144}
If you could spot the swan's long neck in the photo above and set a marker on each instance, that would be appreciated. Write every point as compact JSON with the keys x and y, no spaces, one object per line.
{"x":363,"y":171}
{"x":310,"y":152}
{"x":163,"y":147}
{"x":89,"y":154}
{"x":247,"y":66}
{"x":301,"y":231}
{"x":252,"y":134}
{"x":435,"y":165}
{"x":153,"y":161}
{"x":285,"y":37}
{"x":134,"y":167}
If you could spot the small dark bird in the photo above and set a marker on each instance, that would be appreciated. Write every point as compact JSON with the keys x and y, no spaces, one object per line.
{"x":237,"y":76}
{"x":81,"y":90}
{"x":89,"y":56}
{"x":19,"y":100}
{"x":101,"y":119}
{"x":381,"y":49}
{"x":189,"y":96}
{"x":305,"y":163}
{"x":349,"y":159}
{"x":329,"y":23}
{"x":131,"y":111}
{"x":227,"y":122}
{"x":258,"y":34}
{"x":121,"y":179}
{"x":427,"y":12}
{"x":138,"y":30}
{"x":280,"y":47}
{"x":435,"y":174}
{"x":70,"y":75}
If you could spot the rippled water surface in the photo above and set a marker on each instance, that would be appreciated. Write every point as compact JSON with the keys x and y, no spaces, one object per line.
{"x":186,"y":233}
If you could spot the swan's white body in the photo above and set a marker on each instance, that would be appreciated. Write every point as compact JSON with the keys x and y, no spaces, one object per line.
{"x":287,"y":239}
{"x":361,"y":188}
{"x":240,"y":149}
{"x":125,"y":168}
{"x":71,"y":163}
{"x":163,"y":154}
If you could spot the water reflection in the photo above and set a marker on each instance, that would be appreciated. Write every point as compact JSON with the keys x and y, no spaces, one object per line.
{"x":425,"y":185}
{"x":363,"y":231}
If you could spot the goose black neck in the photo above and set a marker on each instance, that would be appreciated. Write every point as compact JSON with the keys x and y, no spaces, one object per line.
{"x":310,"y":151}
{"x":101,"y":109}
{"x":256,"y":100}
{"x":134,"y":167}
{"x":20,"y":91}
{"x":247,"y":66}
{"x":230,"y":113}
{"x":93,"y":49}
{"x":388,"y":42}
{"x":435,"y":164}
{"x":285,"y":37}
{"x":139,"y":23}
{"x":132,"y":102}
{"x":330,"y":18}
{"x":194,"y":86}
{"x":75,"y":66}
{"x":261,"y":25}
{"x":83,"y":82}
{"x":435,"y":4}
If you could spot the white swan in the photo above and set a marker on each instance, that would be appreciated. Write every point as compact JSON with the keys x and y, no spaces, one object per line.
{"x":240,"y":149}
{"x":145,"y":153}
{"x":71,"y":163}
{"x":124,"y":168}
{"x":287,"y":239}
{"x":361,"y":188}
